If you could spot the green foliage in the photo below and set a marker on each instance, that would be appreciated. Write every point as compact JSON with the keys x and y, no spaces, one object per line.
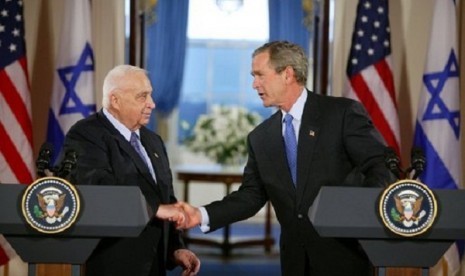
{"x":37,"y":212}
{"x":395,"y":215}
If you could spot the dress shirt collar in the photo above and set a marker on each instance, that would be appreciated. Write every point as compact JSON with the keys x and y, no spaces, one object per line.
{"x":297,"y":108}
{"x":119,"y":126}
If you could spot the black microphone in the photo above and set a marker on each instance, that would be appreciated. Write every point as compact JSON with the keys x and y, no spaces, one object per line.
{"x":68,"y":163}
{"x":392,"y":161}
{"x":418,"y":161}
{"x":44,"y":158}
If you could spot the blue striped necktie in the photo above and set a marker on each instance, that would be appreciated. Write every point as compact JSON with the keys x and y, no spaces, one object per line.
{"x":134,"y":140}
{"x":291,"y":146}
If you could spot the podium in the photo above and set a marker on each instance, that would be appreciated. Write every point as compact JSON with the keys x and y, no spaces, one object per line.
{"x":352,"y":212}
{"x":106,"y":211}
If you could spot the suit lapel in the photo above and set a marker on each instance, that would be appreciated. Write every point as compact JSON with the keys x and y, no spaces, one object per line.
{"x":308,"y":136}
{"x":154,"y":151}
{"x":126,"y":147}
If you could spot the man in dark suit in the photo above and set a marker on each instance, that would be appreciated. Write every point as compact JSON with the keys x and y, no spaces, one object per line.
{"x":336,"y":144}
{"x":110,"y":152}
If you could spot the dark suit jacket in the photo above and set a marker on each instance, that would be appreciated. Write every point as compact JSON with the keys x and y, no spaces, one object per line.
{"x":336,"y":139}
{"x":106,"y":158}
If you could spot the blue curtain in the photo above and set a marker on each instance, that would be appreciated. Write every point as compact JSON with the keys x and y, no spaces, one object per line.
{"x":165,"y":48}
{"x":287,"y":22}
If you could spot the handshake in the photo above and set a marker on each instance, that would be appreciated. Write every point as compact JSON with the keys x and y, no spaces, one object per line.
{"x":182,"y":214}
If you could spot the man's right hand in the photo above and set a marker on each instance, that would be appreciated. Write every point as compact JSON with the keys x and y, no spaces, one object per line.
{"x":193,"y":215}
{"x":172,"y":213}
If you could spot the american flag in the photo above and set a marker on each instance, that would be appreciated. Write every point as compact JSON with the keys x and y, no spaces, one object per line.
{"x":369,"y":69}
{"x":16,"y":157}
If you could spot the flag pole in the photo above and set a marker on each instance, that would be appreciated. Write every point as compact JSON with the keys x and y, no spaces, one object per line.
{"x":320,"y":47}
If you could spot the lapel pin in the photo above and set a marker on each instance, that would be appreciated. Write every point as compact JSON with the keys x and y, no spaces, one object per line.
{"x":156,"y":155}
{"x":311,"y":133}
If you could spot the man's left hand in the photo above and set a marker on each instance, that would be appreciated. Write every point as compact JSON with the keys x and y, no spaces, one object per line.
{"x":188,"y":261}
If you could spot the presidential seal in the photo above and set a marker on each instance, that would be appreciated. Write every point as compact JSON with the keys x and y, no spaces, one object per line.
{"x":408,"y":208}
{"x":50,"y":205}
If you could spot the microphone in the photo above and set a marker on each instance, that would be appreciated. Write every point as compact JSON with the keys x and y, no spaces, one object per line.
{"x":68,"y":163}
{"x":418,"y":161}
{"x":392,"y":161}
{"x":44,"y":158}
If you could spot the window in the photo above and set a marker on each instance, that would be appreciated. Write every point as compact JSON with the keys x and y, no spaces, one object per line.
{"x":218,"y":59}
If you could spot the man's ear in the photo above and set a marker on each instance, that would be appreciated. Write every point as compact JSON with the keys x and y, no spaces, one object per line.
{"x":114,"y":100}
{"x":289,"y":73}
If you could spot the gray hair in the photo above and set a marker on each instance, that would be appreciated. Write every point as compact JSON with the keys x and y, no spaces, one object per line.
{"x":112,"y":80}
{"x":283,"y":54}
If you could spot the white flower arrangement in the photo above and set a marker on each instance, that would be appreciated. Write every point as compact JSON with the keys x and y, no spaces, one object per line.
{"x":222,"y":134}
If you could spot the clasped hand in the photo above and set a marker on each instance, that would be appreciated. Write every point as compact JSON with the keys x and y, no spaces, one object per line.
{"x":182,"y":214}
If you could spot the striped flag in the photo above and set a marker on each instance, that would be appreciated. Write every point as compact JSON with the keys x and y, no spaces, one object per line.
{"x":369,"y":69}
{"x":437,"y":129}
{"x":73,"y":87}
{"x":16,"y":156}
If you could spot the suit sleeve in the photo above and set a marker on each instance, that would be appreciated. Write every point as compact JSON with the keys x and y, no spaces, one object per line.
{"x":243,"y":203}
{"x":365,"y":146}
{"x":94,"y":165}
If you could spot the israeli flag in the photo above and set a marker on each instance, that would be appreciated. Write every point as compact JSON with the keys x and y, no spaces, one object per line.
{"x":73,"y":96}
{"x":437,"y":129}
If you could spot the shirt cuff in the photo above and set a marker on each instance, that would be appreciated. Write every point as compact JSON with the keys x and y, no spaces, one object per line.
{"x":205,"y":223}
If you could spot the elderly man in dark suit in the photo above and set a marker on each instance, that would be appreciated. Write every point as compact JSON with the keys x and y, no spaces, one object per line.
{"x":310,"y":142}
{"x":115,"y":148}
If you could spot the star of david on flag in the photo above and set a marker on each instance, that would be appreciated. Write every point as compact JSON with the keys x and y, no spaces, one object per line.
{"x":435,"y":82}
{"x":73,"y":95}
{"x":437,"y":129}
